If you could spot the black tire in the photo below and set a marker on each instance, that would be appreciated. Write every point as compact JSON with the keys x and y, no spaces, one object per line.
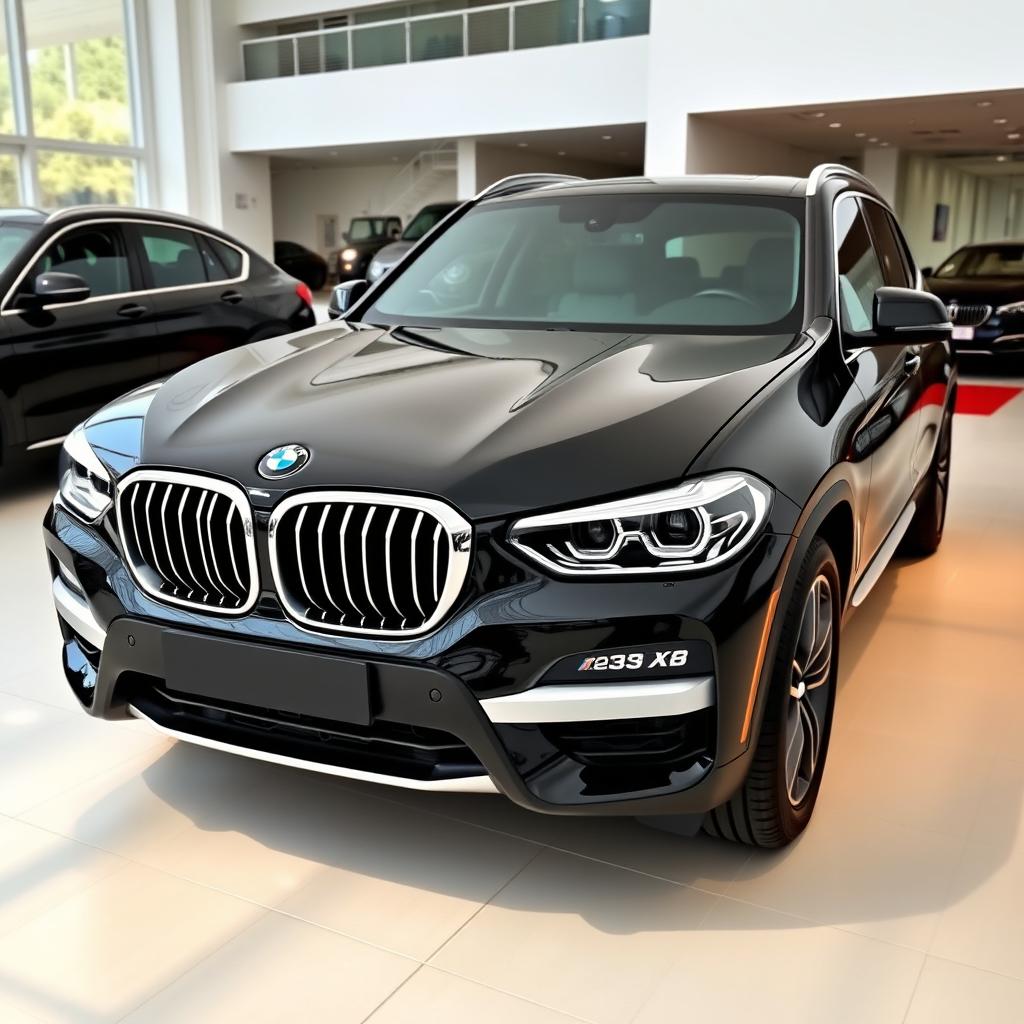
{"x":775,"y":802}
{"x":924,"y":535}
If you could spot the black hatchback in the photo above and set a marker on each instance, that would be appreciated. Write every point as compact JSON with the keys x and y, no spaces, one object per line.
{"x":96,"y":301}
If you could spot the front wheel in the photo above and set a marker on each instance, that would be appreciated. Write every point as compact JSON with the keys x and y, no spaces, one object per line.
{"x":775,"y":803}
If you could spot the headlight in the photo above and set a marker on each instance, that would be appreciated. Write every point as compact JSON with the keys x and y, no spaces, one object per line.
{"x":350,"y":255}
{"x":695,"y":526}
{"x":1011,"y":307}
{"x":85,"y":484}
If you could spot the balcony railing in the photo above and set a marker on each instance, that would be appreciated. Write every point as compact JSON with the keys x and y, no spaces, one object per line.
{"x":520,"y":25}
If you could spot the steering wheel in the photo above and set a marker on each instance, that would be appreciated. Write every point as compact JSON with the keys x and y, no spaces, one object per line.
{"x":724,"y":293}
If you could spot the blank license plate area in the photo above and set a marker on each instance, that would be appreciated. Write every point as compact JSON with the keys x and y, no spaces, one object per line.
{"x":267,"y":677}
{"x":963,"y":334}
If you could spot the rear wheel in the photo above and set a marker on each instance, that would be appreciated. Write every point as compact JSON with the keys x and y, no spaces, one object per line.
{"x":924,"y":535}
{"x":775,"y":803}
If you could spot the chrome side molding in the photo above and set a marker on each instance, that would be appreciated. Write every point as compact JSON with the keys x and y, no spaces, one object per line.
{"x":883,"y":556}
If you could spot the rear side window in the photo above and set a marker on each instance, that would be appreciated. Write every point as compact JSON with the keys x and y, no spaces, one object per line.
{"x":860,"y":273}
{"x":890,"y":253}
{"x":97,"y":254}
{"x":230,"y":258}
{"x":173,"y":256}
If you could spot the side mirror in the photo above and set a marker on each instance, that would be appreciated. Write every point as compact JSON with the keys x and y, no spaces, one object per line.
{"x":56,"y":287}
{"x":927,"y":271}
{"x":903,"y":316}
{"x":345,"y":296}
{"x":396,"y":232}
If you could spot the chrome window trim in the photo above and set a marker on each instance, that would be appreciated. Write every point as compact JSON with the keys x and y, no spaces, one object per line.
{"x":5,"y":310}
{"x":239,"y":499}
{"x":848,"y":357}
{"x":458,"y":529}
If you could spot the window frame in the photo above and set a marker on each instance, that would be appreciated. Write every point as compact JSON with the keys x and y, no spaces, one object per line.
{"x":134,"y":277}
{"x":858,"y":198}
{"x":136,"y":255}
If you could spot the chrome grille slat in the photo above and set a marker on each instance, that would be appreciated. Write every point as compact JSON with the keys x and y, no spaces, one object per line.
{"x":177,"y":532}
{"x":396,"y":569}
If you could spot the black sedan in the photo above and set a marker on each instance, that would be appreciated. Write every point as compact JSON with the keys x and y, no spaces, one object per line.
{"x":96,"y":301}
{"x":301,"y":263}
{"x":983,"y":288}
{"x":570,"y":506}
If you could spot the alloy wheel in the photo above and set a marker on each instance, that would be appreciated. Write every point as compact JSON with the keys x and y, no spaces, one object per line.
{"x":811,"y":679}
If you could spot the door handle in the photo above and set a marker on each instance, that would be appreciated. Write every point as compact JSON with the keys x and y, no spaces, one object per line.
{"x":132,"y":311}
{"x":232,"y":296}
{"x":912,"y":363}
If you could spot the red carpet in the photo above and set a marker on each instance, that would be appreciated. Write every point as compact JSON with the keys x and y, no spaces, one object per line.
{"x":983,"y":399}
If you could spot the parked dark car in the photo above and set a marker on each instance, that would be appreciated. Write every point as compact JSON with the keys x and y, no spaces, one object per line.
{"x":302,"y":263}
{"x":427,"y":219}
{"x":96,"y":301}
{"x":365,"y":237}
{"x":571,"y":506}
{"x":983,"y":288}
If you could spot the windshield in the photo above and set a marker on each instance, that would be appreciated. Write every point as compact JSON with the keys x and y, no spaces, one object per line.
{"x":12,"y":238}
{"x":423,"y":222}
{"x":363,"y":228}
{"x":719,"y":263}
{"x":985,"y":261}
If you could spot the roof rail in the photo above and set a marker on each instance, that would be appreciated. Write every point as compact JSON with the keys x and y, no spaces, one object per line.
{"x":524,"y":183}
{"x":823,"y":172}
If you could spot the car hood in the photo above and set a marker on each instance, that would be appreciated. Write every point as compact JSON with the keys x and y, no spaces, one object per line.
{"x":989,"y":291}
{"x":494,"y":421}
{"x":392,"y":253}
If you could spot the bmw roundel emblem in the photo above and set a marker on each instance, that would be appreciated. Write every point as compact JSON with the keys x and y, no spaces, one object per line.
{"x":283,"y":461}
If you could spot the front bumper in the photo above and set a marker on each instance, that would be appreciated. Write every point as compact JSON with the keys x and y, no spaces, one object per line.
{"x":1000,"y":334}
{"x":470,"y":707}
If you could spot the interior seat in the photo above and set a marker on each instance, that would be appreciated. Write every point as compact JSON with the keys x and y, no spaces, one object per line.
{"x":603,"y":285}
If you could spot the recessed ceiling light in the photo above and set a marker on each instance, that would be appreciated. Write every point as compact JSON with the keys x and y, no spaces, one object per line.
{"x":874,"y":138}
{"x":999,"y":120}
{"x":1013,"y":135}
{"x":606,"y":138}
{"x":836,"y":124}
{"x":334,"y":152}
{"x":984,"y":103}
{"x":860,"y":135}
{"x":884,"y":143}
{"x":1002,"y":158}
{"x":561,"y":152}
{"x":816,"y":113}
{"x":522,"y":145}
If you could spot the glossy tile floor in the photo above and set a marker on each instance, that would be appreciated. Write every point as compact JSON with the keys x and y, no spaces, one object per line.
{"x":144,"y":881}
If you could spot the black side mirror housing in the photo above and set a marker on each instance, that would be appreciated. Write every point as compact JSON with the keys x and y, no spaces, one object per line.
{"x":345,"y":296}
{"x":927,"y":271}
{"x":903,"y":316}
{"x":53,"y":287}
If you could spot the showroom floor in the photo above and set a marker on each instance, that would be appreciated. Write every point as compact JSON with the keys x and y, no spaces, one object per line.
{"x":146,"y":881}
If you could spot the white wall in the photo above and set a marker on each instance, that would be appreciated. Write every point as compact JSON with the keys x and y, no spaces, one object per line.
{"x":714,"y":148}
{"x":925,"y":182}
{"x":496,"y":162}
{"x":600,"y":83}
{"x":300,"y":195}
{"x":745,"y":54}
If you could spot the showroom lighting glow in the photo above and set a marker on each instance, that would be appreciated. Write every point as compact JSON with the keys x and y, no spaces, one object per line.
{"x":860,"y":135}
{"x":1002,"y":158}
{"x":836,"y":124}
{"x":984,"y":103}
{"x":1013,"y":135}
{"x":999,"y":120}
{"x":874,"y":138}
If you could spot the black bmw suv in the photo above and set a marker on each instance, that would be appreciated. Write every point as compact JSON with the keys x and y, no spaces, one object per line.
{"x":96,"y":300}
{"x":570,"y":506}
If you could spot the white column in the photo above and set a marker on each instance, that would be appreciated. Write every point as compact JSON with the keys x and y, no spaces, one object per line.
{"x":466,"y":180}
{"x":881,"y":165}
